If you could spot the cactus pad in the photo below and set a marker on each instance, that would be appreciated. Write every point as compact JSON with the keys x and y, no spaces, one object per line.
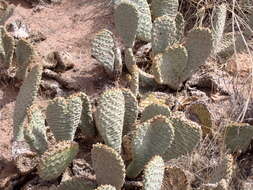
{"x":110,"y":117}
{"x":224,"y":170}
{"x":7,"y":47}
{"x":76,"y":183}
{"x":27,"y":93}
{"x":164,"y":7}
{"x":200,"y":113}
{"x":108,"y":165}
{"x":144,"y":23}
{"x":102,"y":49}
{"x":153,"y":174}
{"x":164,"y":34}
{"x":35,"y":131}
{"x":63,"y":116}
{"x":168,"y":68}
{"x":54,"y":161}
{"x":238,"y":137}
{"x":180,"y":24}
{"x":86,"y":124}
{"x":150,"y":138}
{"x":154,"y":110}
{"x":131,"y":110}
{"x":126,"y":22}
{"x":187,"y":136}
{"x":24,"y":56}
{"x":199,"y":46}
{"x":220,"y":15}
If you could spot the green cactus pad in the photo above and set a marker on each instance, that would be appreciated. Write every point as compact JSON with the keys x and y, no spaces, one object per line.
{"x":5,"y":11}
{"x":63,"y":116}
{"x":144,"y":22}
{"x":164,"y":33}
{"x":86,"y":124}
{"x":131,"y":110}
{"x":153,"y":174}
{"x":151,"y":138}
{"x":35,"y":131}
{"x":76,"y":183}
{"x":105,"y":187}
{"x":180,"y":25}
{"x":164,"y":7}
{"x":154,"y":110}
{"x":54,"y":161}
{"x":24,"y":56}
{"x":27,"y":93}
{"x":126,"y":22}
{"x":199,"y":46}
{"x":168,"y":68}
{"x":238,"y":137}
{"x":218,"y":25}
{"x":187,"y":136}
{"x":108,"y":165}
{"x":102,"y":49}
{"x":6,"y":48}
{"x":110,"y":117}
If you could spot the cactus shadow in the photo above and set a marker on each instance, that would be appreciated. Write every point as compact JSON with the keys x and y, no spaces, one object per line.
{"x":7,"y":95}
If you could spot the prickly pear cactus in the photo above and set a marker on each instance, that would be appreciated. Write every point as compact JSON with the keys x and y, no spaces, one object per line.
{"x":144,"y":19}
{"x":153,"y":174}
{"x":151,"y":138}
{"x":154,"y":110}
{"x":108,"y":165}
{"x":164,"y":7}
{"x":76,"y":183}
{"x":24,"y":56}
{"x":199,"y":47}
{"x":110,"y":117}
{"x":187,"y":136}
{"x":105,"y":187}
{"x":6,"y":48}
{"x":168,"y":68}
{"x":63,"y":116}
{"x":102,"y":49}
{"x":200,"y":113}
{"x":86,"y":124}
{"x":5,"y":11}
{"x":218,"y":25}
{"x":180,"y":25}
{"x":164,"y":34}
{"x":231,"y":43}
{"x":35,"y":131}
{"x":54,"y":161}
{"x":131,"y":110}
{"x":238,"y":137}
{"x":27,"y":93}
{"x":126,"y":22}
